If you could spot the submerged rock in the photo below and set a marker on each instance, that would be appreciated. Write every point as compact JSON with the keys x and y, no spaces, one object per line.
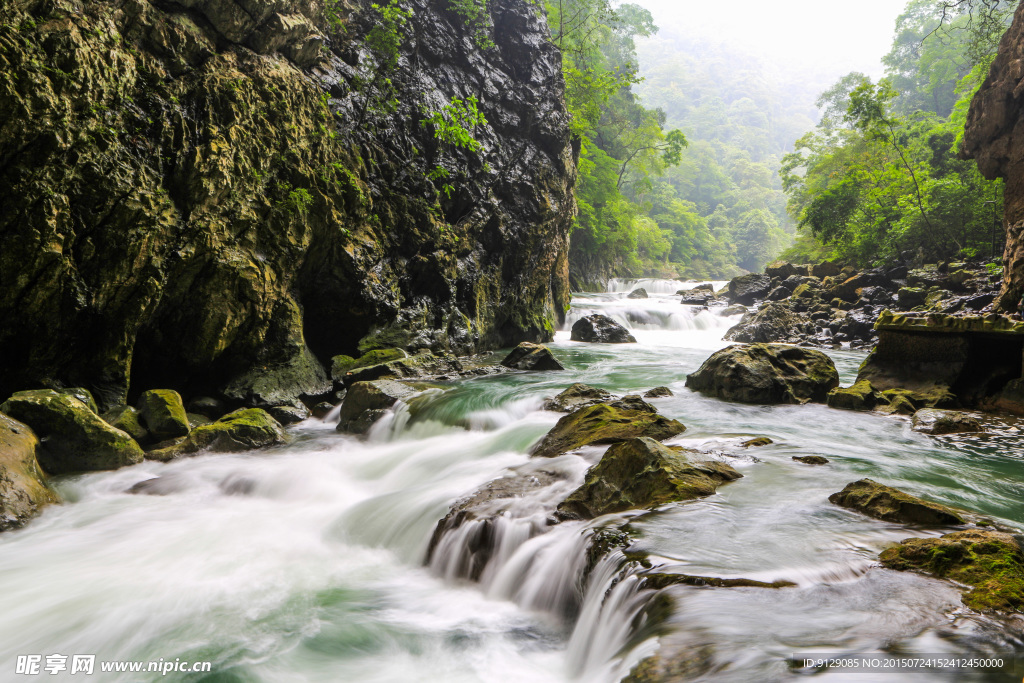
{"x":74,"y":438}
{"x":242,"y":430}
{"x":811,"y":459}
{"x":767,"y":374}
{"x":23,"y":488}
{"x":577,"y":396}
{"x":639,"y":293}
{"x":530,"y":356}
{"x":757,"y":442}
{"x":642,"y":474}
{"x":990,"y":562}
{"x":600,"y":329}
{"x":658,"y":392}
{"x":892,"y":505}
{"x":367,"y":402}
{"x":604,"y":424}
{"x":163,"y":413}
{"x":659,"y":580}
{"x":935,"y":421}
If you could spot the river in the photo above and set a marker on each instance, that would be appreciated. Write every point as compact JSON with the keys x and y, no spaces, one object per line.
{"x":305,"y":562}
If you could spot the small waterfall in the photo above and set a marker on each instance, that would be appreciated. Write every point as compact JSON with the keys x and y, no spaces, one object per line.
{"x":643,"y":314}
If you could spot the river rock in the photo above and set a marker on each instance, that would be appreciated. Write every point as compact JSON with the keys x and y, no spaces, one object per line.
{"x":341,"y":365}
{"x":163,"y":413}
{"x":421,"y":366}
{"x":990,"y":562}
{"x":658,"y":392}
{"x":290,"y":414}
{"x":772,"y":323}
{"x":601,"y":329}
{"x":860,"y":396}
{"x":577,"y":396}
{"x":127,"y":420}
{"x":642,"y":474}
{"x":242,"y":430}
{"x":639,"y":293}
{"x":23,"y":487}
{"x":530,"y":356}
{"x":811,"y":459}
{"x":892,"y":505}
{"x":367,"y":402}
{"x":935,"y":421}
{"x":747,"y":289}
{"x":735,"y":309}
{"x":207,"y":406}
{"x":766,"y":374}
{"x":604,"y":424}
{"x":74,"y":438}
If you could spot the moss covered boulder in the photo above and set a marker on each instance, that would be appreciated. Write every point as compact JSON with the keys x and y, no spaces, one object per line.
{"x":530,"y":356}
{"x":892,"y":505}
{"x":990,"y":562}
{"x":367,"y":402}
{"x":163,"y":413}
{"x":341,"y":365}
{"x":23,"y":487}
{"x":937,"y":422}
{"x":242,"y":430}
{"x":642,"y":474}
{"x":74,"y":438}
{"x":421,"y":366}
{"x":605,"y":424}
{"x":127,"y":420}
{"x":860,"y":396}
{"x":577,"y":396}
{"x":83,"y":395}
{"x":766,"y":374}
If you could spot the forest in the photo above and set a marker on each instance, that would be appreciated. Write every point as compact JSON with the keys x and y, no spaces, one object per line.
{"x":704,"y":163}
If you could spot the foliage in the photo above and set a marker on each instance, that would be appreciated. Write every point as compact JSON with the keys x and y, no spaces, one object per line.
{"x":383,"y":42}
{"x":455,"y":126}
{"x":883,"y":178}
{"x":474,"y":14}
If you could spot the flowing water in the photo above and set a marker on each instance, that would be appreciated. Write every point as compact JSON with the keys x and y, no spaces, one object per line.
{"x":307,"y":562}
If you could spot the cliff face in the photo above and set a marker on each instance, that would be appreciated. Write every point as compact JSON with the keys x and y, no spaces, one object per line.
{"x":995,"y":138}
{"x":195,"y":195}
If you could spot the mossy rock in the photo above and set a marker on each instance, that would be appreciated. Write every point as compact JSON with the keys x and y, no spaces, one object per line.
{"x":766,"y":374}
{"x":412,"y":367}
{"x":367,"y":402}
{"x":577,"y":396}
{"x":860,"y":396}
{"x":23,"y":487}
{"x":127,"y":420}
{"x":242,"y":430}
{"x":659,"y":580}
{"x":197,"y":420}
{"x":937,"y":422}
{"x":990,"y":562}
{"x":643,"y":474}
{"x":163,"y":413}
{"x":604,"y":424}
{"x":658,"y":392}
{"x":811,"y":459}
{"x":341,"y":365}
{"x":83,"y":395}
{"x":74,"y":438}
{"x":530,"y":356}
{"x":892,"y":505}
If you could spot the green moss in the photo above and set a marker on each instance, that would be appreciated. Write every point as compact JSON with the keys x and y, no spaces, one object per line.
{"x":604,"y":424}
{"x":892,"y":505}
{"x":242,"y":430}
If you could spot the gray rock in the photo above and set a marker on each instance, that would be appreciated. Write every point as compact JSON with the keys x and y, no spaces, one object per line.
{"x":367,"y":402}
{"x":936,"y":421}
{"x":601,"y":329}
{"x":766,"y":374}
{"x":530,"y":356}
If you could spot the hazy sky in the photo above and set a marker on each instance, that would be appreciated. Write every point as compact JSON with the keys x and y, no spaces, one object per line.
{"x":844,"y":36}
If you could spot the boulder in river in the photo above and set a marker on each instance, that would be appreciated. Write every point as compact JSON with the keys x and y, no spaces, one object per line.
{"x":530,"y":356}
{"x":604,"y":424}
{"x":935,"y":421}
{"x":747,"y":289}
{"x":290,"y":413}
{"x":766,"y":374}
{"x":242,"y":430}
{"x":74,"y":438}
{"x":601,"y":329}
{"x":642,"y":474}
{"x":638,"y":293}
{"x":367,"y":402}
{"x":658,"y":392}
{"x":769,"y":324}
{"x":127,"y":420}
{"x":340,"y":365}
{"x":860,"y":396}
{"x":990,"y":562}
{"x":420,"y":366}
{"x":892,"y":505}
{"x":811,"y":459}
{"x":577,"y":396}
{"x":23,"y":487}
{"x":163,"y":413}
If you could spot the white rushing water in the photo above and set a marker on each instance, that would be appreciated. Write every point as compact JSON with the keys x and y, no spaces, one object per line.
{"x":307,"y":562}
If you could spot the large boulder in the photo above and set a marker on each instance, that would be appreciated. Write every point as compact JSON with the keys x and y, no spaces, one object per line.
{"x":766,"y":374}
{"x":341,"y":365}
{"x":826,"y":269}
{"x":642,"y":474}
{"x":23,"y":487}
{"x":127,"y":420}
{"x":860,"y":396}
{"x":242,"y":430}
{"x":746,"y":289}
{"x":601,"y":329}
{"x":530,"y":356}
{"x":577,"y":396}
{"x":604,"y":424}
{"x":163,"y":413}
{"x":421,"y":366}
{"x":781,"y":270}
{"x":367,"y":402}
{"x":74,"y":438}
{"x":892,"y":505}
{"x":935,"y":421}
{"x":772,"y":323}
{"x":991,"y":563}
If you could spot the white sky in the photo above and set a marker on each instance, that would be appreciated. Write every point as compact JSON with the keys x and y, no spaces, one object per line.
{"x":839,"y":35}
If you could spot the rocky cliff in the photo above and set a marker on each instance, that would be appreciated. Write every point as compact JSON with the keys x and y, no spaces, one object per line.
{"x":994,"y":136}
{"x":206,"y":195}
